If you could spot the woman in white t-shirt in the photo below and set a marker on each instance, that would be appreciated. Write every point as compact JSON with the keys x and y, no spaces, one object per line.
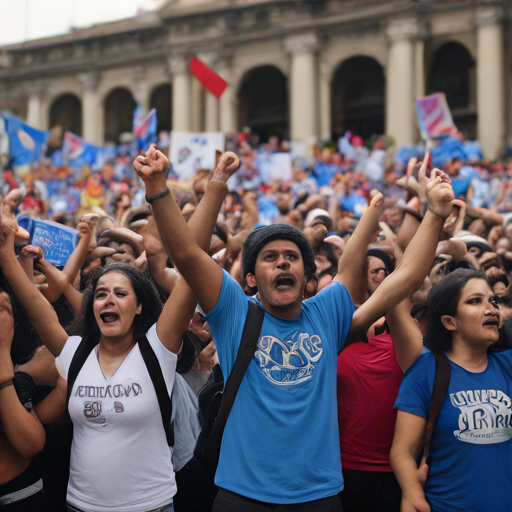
{"x":120,"y":459}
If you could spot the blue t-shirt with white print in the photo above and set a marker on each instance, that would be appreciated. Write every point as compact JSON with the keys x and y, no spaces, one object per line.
{"x":281,"y":442}
{"x":471,"y":449}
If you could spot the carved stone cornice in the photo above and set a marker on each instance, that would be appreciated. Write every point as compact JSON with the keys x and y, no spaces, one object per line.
{"x":488,"y":15}
{"x":178,"y":64}
{"x":405,"y":28}
{"x":302,"y":43}
{"x":89,"y":80}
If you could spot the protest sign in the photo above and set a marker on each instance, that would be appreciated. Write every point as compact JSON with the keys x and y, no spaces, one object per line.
{"x":56,"y":240}
{"x":190,"y":151}
{"x":77,"y":152}
{"x":144,"y":128}
{"x":274,"y":166}
{"x":435,"y":118}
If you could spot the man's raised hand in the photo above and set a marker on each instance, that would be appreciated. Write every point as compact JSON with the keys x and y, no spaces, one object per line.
{"x":227,"y":166}
{"x":439,"y":194}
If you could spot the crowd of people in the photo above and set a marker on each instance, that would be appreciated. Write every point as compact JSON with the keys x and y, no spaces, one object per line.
{"x":351,"y":288}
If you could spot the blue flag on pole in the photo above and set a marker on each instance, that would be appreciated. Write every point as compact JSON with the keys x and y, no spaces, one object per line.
{"x":78,"y":152}
{"x":145,"y":128}
{"x":26,"y":144}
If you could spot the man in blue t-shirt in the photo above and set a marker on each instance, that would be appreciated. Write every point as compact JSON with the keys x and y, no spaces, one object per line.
{"x":281,"y":445}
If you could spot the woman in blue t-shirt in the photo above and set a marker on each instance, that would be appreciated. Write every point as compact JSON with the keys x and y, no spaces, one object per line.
{"x":470,"y":460}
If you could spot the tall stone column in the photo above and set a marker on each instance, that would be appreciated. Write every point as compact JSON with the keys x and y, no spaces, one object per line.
{"x":181,"y":94}
{"x":304,"y":108}
{"x":90,"y":106}
{"x":400,"y":81}
{"x":325,"y":99}
{"x":419,"y":68}
{"x":197,"y":105}
{"x":211,"y":114}
{"x":490,"y":81}
{"x":141,"y":88}
{"x":227,"y":116}
{"x":211,"y":103}
{"x":34,"y":108}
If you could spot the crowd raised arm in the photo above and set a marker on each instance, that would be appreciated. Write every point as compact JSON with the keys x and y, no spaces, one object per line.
{"x":366,"y":300}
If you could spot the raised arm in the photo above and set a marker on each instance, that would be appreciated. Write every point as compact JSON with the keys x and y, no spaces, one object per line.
{"x":58,"y":285}
{"x":77,"y":258}
{"x":406,"y":335}
{"x":164,"y":277}
{"x":352,"y":266}
{"x":22,"y":429}
{"x":180,"y":306}
{"x":415,"y":263}
{"x":41,"y":313}
{"x":202,"y":274}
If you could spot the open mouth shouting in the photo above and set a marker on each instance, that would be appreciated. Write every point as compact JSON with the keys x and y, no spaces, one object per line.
{"x":284,"y":281}
{"x":492,"y":322}
{"x":109,"y":317}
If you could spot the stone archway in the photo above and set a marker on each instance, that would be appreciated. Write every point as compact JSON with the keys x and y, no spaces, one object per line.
{"x":358,"y":97}
{"x":119,"y":107}
{"x":263,"y":102}
{"x":452,"y":71}
{"x":161,"y":100}
{"x":66,"y":111}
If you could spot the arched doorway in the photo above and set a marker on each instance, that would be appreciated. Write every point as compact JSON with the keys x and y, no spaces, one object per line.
{"x":66,"y":111}
{"x":452,"y":71}
{"x":161,"y":100}
{"x":358,"y":92}
{"x":263,"y":102}
{"x":119,"y":107}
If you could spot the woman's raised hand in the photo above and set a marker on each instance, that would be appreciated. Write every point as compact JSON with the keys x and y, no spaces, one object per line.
{"x":152,"y":169}
{"x":439,"y":194}
{"x":227,"y":166}
{"x":33,"y":251}
{"x":7,"y":232}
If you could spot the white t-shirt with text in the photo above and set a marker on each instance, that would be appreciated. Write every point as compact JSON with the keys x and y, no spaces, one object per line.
{"x":120,"y":459}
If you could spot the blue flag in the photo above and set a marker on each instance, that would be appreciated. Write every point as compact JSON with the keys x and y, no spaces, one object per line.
{"x":144,"y":128}
{"x":26,"y":144}
{"x":78,"y":152}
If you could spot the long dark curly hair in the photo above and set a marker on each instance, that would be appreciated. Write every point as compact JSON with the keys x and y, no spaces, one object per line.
{"x":145,"y":291}
{"x":443,"y":299}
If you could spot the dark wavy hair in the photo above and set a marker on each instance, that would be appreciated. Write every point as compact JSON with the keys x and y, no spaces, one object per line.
{"x":145,"y":291}
{"x":443,"y":299}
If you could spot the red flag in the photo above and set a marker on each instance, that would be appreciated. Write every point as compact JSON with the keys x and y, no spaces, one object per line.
{"x":211,"y":80}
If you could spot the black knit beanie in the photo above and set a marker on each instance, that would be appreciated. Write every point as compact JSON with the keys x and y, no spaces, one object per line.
{"x":258,"y":238}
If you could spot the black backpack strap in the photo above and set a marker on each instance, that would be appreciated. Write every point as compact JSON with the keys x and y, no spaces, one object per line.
{"x":157,"y":377}
{"x":248,"y":344}
{"x":82,"y":353}
{"x":441,"y":383}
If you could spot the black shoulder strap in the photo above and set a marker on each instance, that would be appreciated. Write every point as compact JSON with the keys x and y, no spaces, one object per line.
{"x":82,"y":353}
{"x":248,"y":344}
{"x":441,"y":383}
{"x":157,"y":377}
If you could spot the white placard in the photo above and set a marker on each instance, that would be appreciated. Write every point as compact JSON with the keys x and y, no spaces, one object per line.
{"x":191,"y":151}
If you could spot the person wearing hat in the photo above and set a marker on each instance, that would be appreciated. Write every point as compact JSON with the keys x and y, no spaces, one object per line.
{"x":280,"y":447}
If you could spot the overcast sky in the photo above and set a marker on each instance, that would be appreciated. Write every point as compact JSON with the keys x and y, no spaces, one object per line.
{"x":22,"y":20}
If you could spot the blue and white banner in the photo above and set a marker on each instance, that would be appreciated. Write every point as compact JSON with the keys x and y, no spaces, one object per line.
{"x":26,"y":144}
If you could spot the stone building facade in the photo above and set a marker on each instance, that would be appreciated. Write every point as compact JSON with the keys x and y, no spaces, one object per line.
{"x":297,"y":68}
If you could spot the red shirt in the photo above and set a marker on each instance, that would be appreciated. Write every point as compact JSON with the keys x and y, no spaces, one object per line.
{"x":369,"y":377}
